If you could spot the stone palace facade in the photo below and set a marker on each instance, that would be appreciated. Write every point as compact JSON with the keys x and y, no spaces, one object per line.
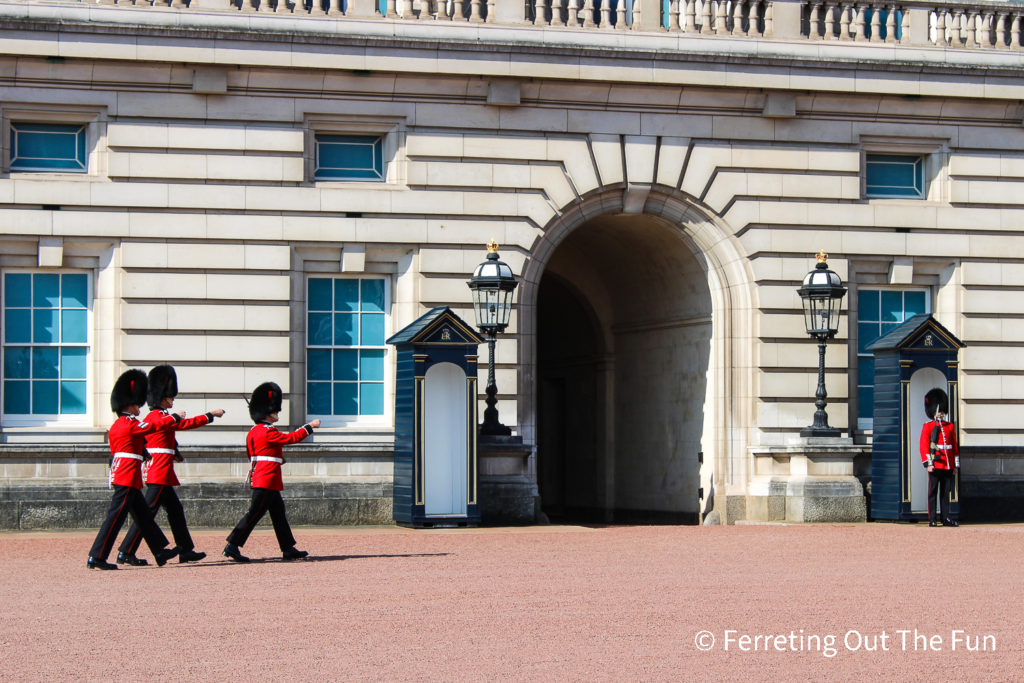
{"x":260,"y":190}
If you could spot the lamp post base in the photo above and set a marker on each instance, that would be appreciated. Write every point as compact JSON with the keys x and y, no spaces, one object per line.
{"x":827,"y":432}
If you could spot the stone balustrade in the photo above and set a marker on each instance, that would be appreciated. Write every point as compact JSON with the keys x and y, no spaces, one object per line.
{"x":970,"y":25}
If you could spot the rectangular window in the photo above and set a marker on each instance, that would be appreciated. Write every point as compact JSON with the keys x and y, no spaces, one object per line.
{"x":55,"y":147}
{"x":45,"y":345}
{"x":345,"y":350}
{"x":894,"y":175}
{"x":348,"y":157}
{"x":879,"y":311}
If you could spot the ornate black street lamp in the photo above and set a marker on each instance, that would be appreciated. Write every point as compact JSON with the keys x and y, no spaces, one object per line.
{"x":492,"y":284}
{"x":822,"y":293}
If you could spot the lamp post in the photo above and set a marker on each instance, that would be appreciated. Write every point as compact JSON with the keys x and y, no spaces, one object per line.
{"x":821,"y":293}
{"x":492,"y":284}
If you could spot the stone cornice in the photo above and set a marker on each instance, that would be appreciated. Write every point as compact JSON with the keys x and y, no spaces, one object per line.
{"x":231,"y":39}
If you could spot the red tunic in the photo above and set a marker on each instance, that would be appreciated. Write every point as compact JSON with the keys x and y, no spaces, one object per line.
{"x":947,"y":451}
{"x":264,"y":444}
{"x":162,"y":446}
{"x":127,"y":438}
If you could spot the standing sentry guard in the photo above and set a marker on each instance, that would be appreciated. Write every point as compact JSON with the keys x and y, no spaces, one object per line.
{"x":940,"y":455}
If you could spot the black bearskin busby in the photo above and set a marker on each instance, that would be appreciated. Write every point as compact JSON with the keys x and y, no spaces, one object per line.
{"x":163,"y":383}
{"x":936,"y":400}
{"x":266,"y":399}
{"x":129,"y":390}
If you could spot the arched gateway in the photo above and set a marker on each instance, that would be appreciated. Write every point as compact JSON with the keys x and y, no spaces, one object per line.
{"x":635,"y":355}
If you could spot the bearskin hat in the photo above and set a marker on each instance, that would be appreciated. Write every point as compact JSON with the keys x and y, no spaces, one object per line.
{"x":163,"y":383}
{"x":266,"y":399}
{"x":129,"y":390}
{"x":936,"y":400}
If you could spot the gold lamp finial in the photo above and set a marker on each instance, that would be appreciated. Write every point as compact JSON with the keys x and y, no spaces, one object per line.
{"x":822,"y":256}
{"x":492,"y":247}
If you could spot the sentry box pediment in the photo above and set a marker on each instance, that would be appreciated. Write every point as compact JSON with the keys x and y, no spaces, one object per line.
{"x":436,"y":478}
{"x":910,"y":360}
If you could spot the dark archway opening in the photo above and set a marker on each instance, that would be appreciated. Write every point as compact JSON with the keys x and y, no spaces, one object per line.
{"x":623,"y":351}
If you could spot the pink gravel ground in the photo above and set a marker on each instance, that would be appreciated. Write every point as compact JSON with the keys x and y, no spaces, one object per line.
{"x":544,"y":603}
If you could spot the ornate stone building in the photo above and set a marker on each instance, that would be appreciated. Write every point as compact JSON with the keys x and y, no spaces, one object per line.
{"x":266,"y":190}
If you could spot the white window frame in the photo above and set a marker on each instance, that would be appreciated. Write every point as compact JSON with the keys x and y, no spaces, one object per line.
{"x":390,"y":130}
{"x":867,"y":423}
{"x":94,"y":120}
{"x":51,"y":420}
{"x":386,"y":418}
{"x":934,"y":154}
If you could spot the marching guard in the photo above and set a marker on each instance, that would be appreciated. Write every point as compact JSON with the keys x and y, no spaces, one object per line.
{"x":127,"y":438}
{"x":264,"y":445}
{"x":940,"y":455}
{"x":160,"y":477}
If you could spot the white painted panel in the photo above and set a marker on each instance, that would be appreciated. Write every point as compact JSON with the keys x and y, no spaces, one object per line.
{"x":445,"y":448}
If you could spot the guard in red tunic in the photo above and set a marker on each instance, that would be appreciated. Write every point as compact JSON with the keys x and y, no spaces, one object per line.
{"x":127,"y":438}
{"x":940,"y":454}
{"x":160,"y":477}
{"x":263,"y":444}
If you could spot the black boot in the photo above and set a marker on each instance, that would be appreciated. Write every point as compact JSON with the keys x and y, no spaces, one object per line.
{"x":125,"y":558}
{"x":933,"y":523}
{"x":93,"y":563}
{"x":293,"y":554}
{"x":949,"y":522}
{"x":164,"y":555}
{"x":231,"y":551}
{"x":190,"y":556}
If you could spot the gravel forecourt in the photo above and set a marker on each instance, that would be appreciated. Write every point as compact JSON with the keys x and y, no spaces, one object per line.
{"x":643,"y":603}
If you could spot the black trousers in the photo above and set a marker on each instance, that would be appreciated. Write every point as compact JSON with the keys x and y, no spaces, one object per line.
{"x":940,"y":483}
{"x":264,"y":500}
{"x":127,"y":501}
{"x":157,"y":496}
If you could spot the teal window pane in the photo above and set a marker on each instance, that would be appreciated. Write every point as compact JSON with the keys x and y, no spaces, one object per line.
{"x":345,"y":369}
{"x":318,"y":364}
{"x":318,"y":398}
{"x":866,"y":370}
{"x":72,"y":398}
{"x":868,"y":304}
{"x":72,"y":362}
{"x":349,"y":157}
{"x":47,"y":147}
{"x":346,"y":401}
{"x":913,"y":304}
{"x":73,"y":326}
{"x":889,"y":175}
{"x":18,"y":290}
{"x":345,"y":329}
{"x":17,"y":362}
{"x":866,"y":334}
{"x":888,"y":327}
{"x":373,"y":329}
{"x":318,"y":329}
{"x":866,"y":402}
{"x":892,"y":306}
{"x":46,"y":291}
{"x":318,"y":294}
{"x":45,"y":398}
{"x":373,"y":295}
{"x":371,"y":365}
{"x":74,"y":290}
{"x":371,"y":398}
{"x":44,"y":326}
{"x":19,"y":326}
{"x":16,"y":397}
{"x":44,"y":362}
{"x":346,"y":295}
